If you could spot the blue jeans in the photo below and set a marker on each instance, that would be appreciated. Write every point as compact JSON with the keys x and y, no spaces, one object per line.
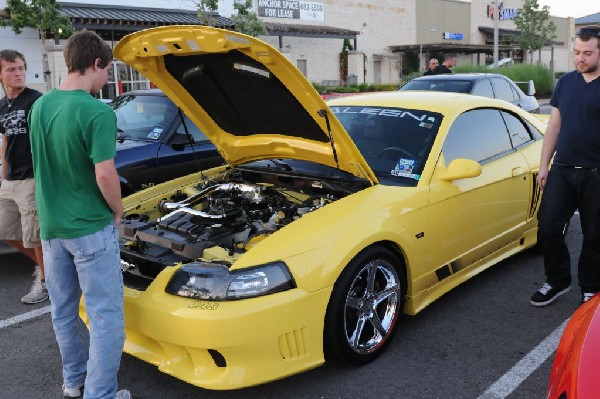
{"x":568,"y":189}
{"x":88,"y":265}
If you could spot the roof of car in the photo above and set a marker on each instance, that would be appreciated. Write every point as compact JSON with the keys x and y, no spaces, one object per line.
{"x":461,"y":76}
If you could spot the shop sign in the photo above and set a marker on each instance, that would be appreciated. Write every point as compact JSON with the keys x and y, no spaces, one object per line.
{"x":292,"y":9}
{"x":504,"y":13}
{"x":453,"y":36}
{"x":311,"y":11}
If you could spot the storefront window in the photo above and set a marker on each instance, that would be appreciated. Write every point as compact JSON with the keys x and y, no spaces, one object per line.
{"x":128,"y":79}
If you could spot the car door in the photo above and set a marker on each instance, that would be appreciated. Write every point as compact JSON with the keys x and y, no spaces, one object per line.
{"x":186,"y":151}
{"x":477,"y":216}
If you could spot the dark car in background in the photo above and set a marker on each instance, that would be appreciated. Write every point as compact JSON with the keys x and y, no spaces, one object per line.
{"x":156,"y":142}
{"x":490,"y":85}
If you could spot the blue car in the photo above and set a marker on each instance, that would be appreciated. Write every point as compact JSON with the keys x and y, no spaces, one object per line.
{"x":156,"y":142}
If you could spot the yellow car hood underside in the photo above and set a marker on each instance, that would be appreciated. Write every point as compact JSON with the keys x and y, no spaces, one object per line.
{"x":248,"y":99}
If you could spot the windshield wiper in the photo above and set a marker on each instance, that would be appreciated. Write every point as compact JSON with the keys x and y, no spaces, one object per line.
{"x":282,"y":165}
{"x":120,"y":136}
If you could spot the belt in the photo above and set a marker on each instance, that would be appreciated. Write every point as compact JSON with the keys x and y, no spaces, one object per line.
{"x":577,"y":167}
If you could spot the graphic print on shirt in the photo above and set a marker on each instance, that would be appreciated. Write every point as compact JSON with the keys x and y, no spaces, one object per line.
{"x":14,"y":122}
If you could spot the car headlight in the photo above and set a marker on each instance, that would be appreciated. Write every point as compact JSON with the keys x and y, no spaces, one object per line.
{"x":214,"y":282}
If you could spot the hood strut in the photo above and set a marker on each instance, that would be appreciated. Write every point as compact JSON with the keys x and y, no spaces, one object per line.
{"x":323,"y":113}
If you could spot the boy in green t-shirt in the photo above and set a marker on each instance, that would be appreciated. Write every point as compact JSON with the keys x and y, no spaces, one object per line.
{"x":78,"y":196}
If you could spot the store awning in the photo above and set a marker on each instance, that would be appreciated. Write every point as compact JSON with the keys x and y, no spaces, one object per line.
{"x":122,"y":20}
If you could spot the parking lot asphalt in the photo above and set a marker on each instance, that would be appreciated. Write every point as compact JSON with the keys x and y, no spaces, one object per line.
{"x":482,"y":340}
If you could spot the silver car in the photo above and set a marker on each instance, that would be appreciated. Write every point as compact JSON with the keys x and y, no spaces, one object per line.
{"x":490,"y":85}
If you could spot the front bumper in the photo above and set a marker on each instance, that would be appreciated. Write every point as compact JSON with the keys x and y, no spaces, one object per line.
{"x":225,"y":345}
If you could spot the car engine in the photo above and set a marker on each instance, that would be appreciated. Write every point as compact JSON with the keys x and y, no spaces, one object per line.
{"x":219,"y":222}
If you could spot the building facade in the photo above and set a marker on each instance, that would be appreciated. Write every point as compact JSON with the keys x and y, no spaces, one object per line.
{"x":330,"y":41}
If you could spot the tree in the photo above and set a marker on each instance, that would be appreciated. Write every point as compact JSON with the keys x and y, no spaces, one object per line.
{"x":42,"y":15}
{"x":536,"y":29}
{"x":246,"y":20}
{"x":206,"y":10}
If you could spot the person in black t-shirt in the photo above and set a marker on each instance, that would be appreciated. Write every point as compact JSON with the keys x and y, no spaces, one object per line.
{"x":433,"y":63}
{"x":19,"y":224}
{"x":444,"y":68}
{"x":572,"y":138}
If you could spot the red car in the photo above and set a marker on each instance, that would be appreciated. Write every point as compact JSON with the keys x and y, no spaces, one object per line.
{"x":575,"y":369}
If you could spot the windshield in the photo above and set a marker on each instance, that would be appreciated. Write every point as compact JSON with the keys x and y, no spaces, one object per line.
{"x":143,"y":117}
{"x":454,"y":86}
{"x":395,"y":142}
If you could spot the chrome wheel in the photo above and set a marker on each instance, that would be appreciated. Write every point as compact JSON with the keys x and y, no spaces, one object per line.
{"x":371,"y":306}
{"x":364,"y":306}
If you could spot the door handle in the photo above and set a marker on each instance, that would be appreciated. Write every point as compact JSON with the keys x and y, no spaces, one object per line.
{"x":517,"y":171}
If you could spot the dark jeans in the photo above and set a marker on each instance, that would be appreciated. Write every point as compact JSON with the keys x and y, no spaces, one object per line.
{"x":568,"y":189}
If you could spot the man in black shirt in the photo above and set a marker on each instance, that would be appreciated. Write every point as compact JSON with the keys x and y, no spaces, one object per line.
{"x":433,"y":64}
{"x":449,"y":62}
{"x":19,"y":224}
{"x":572,"y":138}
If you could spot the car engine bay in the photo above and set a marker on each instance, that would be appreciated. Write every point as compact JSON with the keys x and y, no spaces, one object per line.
{"x":221,"y":220}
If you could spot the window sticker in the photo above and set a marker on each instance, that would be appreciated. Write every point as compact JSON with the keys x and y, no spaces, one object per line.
{"x":404,"y":168}
{"x":155,"y":133}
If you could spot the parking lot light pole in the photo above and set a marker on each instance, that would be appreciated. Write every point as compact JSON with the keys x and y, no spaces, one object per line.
{"x":496,"y":18}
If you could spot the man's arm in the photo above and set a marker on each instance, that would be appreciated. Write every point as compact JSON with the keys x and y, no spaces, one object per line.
{"x":549,"y":145}
{"x":3,"y":156}
{"x":107,"y":179}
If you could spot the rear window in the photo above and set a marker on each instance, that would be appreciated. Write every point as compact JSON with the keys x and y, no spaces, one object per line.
{"x":454,"y":86}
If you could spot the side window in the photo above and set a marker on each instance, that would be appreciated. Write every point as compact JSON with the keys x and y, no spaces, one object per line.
{"x":192,"y":129}
{"x":483,"y":88}
{"x":534,"y":132}
{"x":503,"y":90}
{"x":479,"y":135}
{"x":518,"y":133}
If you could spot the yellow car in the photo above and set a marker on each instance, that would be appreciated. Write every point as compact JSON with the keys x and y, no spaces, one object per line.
{"x":327,"y":224}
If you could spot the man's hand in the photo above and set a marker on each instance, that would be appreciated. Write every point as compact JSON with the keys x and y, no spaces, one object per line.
{"x":541,"y":178}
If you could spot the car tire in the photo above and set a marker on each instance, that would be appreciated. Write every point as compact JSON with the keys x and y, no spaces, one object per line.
{"x":365,"y":304}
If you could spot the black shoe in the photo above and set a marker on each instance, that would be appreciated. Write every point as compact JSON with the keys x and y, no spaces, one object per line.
{"x":547,"y":294}
{"x":586,"y":296}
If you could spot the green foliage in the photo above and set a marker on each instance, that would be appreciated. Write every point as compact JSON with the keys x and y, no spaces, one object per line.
{"x":42,"y":15}
{"x":535,"y":28}
{"x":206,"y":9}
{"x":246,"y":20}
{"x":346,"y":47}
{"x":360,"y":88}
{"x":410,"y":62}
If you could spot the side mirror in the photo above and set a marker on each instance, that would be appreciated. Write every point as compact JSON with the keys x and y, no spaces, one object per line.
{"x":530,"y":88}
{"x":461,"y":169}
{"x":179,"y":141}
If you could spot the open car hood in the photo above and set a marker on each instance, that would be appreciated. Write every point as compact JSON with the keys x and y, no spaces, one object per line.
{"x":248,"y":99}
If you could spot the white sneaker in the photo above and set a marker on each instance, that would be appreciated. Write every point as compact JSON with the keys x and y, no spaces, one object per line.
{"x":123,"y":394}
{"x":69,"y":392}
{"x":586,"y":296}
{"x":76,"y":393}
{"x":38,"y":291}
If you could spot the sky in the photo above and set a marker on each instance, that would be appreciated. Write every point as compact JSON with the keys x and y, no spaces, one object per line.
{"x":571,"y":8}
